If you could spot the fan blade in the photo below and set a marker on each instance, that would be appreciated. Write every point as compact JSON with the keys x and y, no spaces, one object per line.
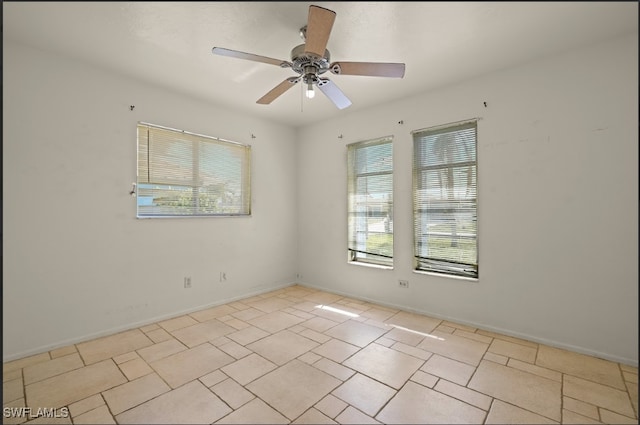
{"x":319,"y":24}
{"x":278,"y":90}
{"x":333,"y":93}
{"x":248,"y":56}
{"x":373,"y":69}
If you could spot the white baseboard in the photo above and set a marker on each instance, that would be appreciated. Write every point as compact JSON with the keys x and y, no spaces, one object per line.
{"x":129,"y":326}
{"x":507,"y":332}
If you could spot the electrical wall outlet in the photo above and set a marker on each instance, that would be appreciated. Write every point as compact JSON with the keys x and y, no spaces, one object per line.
{"x":187,"y":282}
{"x":403,"y":283}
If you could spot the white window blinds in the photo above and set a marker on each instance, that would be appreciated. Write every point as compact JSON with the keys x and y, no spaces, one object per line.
{"x":186,"y":174}
{"x":370,"y":201}
{"x":445,"y":199}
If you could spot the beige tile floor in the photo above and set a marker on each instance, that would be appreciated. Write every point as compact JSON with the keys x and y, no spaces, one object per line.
{"x":298,"y":355}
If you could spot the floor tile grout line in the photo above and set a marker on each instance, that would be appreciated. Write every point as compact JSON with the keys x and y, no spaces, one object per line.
{"x":633,"y":406}
{"x":507,"y":338}
{"x":456,"y":398}
{"x":627,"y":391}
{"x":24,"y":387}
{"x":261,"y":399}
{"x":50,"y":376}
{"x":95,"y":408}
{"x":81,"y":356}
{"x":582,"y":378}
{"x":394,"y":396}
{"x":330,"y":417}
{"x":531,"y":373}
{"x":219,"y":397}
{"x":475,"y":369}
{"x":530,"y":411}
{"x":104,"y":400}
{"x":359,"y":410}
{"x":154,"y":397}
{"x":561,"y":395}
{"x":493,"y":400}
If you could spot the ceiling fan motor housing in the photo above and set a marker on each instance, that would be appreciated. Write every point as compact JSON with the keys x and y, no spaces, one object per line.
{"x":309,"y":65}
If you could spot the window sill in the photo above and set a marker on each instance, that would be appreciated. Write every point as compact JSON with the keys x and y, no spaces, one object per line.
{"x":146,"y":217}
{"x":449,"y":276}
{"x":374,"y":266}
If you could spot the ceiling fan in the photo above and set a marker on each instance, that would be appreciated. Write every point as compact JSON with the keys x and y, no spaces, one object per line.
{"x":311,"y":60}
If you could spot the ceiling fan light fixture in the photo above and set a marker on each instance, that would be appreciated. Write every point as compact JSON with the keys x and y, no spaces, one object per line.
{"x":309,"y":91}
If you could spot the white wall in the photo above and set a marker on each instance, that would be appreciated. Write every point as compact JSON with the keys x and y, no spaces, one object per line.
{"x":558,"y":202}
{"x":77,"y":263}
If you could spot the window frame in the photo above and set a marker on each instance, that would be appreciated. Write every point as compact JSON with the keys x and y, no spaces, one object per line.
{"x":194,"y":188}
{"x":442,"y":266}
{"x":355,"y":255}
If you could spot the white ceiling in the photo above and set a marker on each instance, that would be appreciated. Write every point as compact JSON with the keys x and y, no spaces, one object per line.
{"x":169,"y":43}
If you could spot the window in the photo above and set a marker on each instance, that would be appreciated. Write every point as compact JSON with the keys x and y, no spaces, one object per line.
{"x":445,"y":199}
{"x":186,"y":174}
{"x":370,"y":201}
